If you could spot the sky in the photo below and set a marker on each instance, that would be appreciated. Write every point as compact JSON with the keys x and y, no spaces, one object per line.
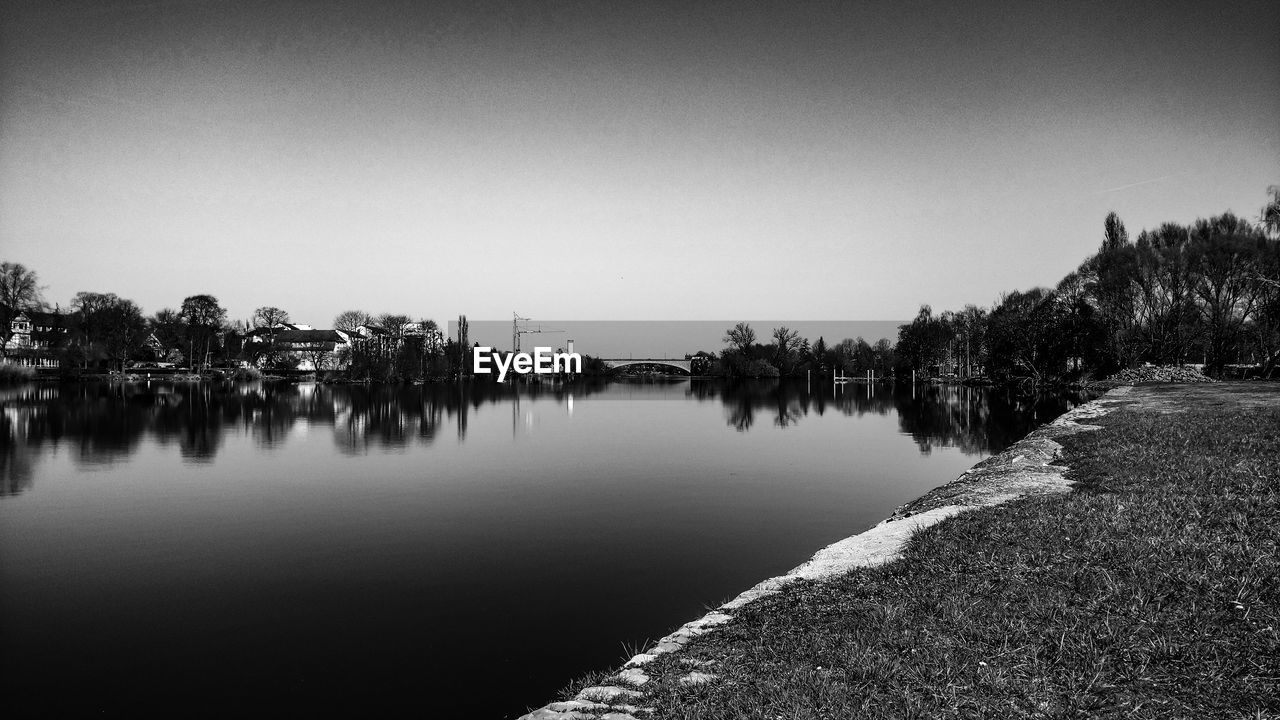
{"x":615,"y":160}
{"x":617,"y":339}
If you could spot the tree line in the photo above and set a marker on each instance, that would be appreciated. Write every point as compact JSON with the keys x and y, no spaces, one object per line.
{"x":786,"y":354}
{"x":1205,"y":293}
{"x":106,"y":331}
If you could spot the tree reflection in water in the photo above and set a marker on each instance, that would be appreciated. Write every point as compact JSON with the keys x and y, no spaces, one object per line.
{"x":105,"y":423}
{"x":975,"y":420}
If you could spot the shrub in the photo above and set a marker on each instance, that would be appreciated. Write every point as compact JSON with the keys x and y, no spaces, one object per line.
{"x":12,"y":373}
{"x":247,"y":373}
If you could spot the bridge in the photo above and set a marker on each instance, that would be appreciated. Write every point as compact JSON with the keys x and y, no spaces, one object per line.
{"x":618,"y":363}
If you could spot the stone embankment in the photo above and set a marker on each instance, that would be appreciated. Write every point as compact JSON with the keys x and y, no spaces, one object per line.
{"x":1025,"y":468}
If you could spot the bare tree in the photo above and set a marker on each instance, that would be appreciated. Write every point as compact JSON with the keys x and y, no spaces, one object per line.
{"x":786,"y":341}
{"x":434,"y":338}
{"x":393,"y":324}
{"x":741,"y":336}
{"x":269,"y":317}
{"x":321,"y":356}
{"x":1221,"y":271}
{"x":349,"y":320}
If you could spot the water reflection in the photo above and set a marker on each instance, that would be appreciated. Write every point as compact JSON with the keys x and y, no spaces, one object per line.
{"x":975,"y":420}
{"x":101,"y":424}
{"x":424,"y":518}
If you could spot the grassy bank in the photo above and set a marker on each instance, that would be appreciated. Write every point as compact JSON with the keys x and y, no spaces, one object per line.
{"x":1151,"y":590}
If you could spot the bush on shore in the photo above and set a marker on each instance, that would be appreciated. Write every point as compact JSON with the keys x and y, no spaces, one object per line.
{"x":247,"y":373}
{"x":13,"y":373}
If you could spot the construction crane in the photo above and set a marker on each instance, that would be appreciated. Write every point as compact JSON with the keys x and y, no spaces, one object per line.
{"x":517,"y":331}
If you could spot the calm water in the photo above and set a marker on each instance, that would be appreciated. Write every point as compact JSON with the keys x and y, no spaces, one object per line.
{"x":314,"y":547}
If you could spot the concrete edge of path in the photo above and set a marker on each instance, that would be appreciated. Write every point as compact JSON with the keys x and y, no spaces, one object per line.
{"x":1025,"y":468}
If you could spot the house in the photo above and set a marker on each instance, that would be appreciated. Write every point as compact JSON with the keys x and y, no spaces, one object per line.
{"x":36,"y":337}
{"x":303,"y":340}
{"x":159,"y":351}
{"x":316,"y":347}
{"x":254,"y":344}
{"x":370,"y":331}
{"x":409,"y":329}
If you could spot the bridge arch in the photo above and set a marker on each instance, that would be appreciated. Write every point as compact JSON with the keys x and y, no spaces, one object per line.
{"x":685,"y":366}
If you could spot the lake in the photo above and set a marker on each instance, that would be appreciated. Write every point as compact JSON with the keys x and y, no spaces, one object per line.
{"x":245,"y":548}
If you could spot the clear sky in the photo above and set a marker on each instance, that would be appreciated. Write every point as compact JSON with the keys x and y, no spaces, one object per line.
{"x":628,"y":160}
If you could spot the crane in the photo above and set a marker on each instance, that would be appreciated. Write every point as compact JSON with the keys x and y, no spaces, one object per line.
{"x":517,"y":331}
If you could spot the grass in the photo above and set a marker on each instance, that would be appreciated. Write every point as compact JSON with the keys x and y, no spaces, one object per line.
{"x":1150,"y":591}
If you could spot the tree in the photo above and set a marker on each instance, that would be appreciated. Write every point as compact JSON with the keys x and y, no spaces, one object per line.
{"x":269,"y":317}
{"x":1083,"y":333}
{"x":433,"y":364}
{"x":321,"y":357}
{"x":1114,"y":235}
{"x":864,"y":356}
{"x":821,"y":355}
{"x":884,"y":354}
{"x":463,"y":346}
{"x":90,"y":324}
{"x":393,"y":324}
{"x":167,"y":326}
{"x":107,"y":327}
{"x":430,"y":330}
{"x":20,"y":291}
{"x":127,"y":331}
{"x":1223,"y":263}
{"x":785,"y":344}
{"x":1148,"y":308}
{"x":740,"y":336}
{"x":349,"y":320}
{"x":845,"y":356}
{"x":1027,"y":339}
{"x":1264,"y":330}
{"x":924,"y":342}
{"x":202,"y":318}
{"x":971,"y":323}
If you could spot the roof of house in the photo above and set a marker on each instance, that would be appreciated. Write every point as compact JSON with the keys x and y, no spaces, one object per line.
{"x":308,"y":336}
{"x":40,"y":317}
